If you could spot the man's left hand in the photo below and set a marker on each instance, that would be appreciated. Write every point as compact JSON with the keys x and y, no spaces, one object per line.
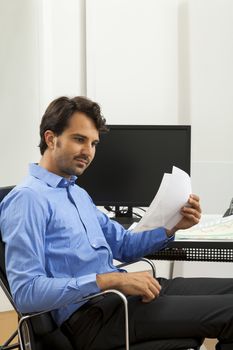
{"x":191,"y":215}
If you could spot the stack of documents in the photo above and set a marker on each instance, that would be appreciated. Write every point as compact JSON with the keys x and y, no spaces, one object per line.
{"x":221,"y":229}
{"x":164,"y":210}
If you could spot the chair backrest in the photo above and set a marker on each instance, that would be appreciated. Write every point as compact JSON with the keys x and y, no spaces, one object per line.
{"x":4,"y":191}
{"x":3,"y":278}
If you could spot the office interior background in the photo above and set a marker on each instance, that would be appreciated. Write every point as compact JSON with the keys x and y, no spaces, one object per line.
{"x":145,"y":62}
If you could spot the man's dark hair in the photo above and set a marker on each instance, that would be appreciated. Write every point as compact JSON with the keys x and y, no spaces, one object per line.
{"x":57,"y":115}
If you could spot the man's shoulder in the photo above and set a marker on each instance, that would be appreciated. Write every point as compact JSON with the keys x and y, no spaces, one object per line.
{"x":29,"y":188}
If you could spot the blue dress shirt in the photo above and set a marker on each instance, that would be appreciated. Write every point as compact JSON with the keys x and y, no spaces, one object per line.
{"x":57,"y":241}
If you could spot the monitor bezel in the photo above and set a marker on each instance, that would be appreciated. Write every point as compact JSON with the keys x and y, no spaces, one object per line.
{"x":129,"y":203}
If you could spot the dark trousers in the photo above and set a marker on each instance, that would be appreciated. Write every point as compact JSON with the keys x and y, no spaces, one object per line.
{"x":186,"y":308}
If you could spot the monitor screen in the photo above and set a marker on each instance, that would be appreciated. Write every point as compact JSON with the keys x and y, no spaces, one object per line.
{"x":130,"y":162}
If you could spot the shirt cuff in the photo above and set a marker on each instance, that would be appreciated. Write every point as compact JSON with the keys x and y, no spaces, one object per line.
{"x":87,"y":284}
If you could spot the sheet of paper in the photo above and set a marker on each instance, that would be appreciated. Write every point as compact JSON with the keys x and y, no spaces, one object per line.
{"x":164,"y":210}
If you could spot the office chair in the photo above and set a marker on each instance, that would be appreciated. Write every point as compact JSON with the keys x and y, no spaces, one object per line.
{"x":39,"y":331}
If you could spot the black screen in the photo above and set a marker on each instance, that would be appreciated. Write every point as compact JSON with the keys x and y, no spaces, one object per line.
{"x":130,"y":162}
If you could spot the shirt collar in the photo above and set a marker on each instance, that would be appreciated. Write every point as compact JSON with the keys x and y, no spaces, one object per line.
{"x":51,"y":179}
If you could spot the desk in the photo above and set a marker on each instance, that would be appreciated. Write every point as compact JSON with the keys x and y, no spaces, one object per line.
{"x":218,"y":251}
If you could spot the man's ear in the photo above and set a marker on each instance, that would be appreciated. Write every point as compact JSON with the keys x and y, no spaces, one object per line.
{"x":50,"y":138}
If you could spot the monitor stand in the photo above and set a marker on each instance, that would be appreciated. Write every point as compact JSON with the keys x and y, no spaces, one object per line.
{"x":125,"y":216}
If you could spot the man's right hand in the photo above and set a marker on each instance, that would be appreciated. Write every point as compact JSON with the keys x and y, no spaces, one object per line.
{"x":131,"y":283}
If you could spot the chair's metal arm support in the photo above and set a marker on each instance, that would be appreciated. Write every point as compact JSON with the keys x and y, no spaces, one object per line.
{"x":152,"y":265}
{"x":125,"y":302}
{"x":24,"y":318}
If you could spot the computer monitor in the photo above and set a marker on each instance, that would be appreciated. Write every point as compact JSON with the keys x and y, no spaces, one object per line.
{"x":130,"y":162}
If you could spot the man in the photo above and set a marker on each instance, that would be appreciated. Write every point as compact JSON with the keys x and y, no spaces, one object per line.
{"x":60,"y":248}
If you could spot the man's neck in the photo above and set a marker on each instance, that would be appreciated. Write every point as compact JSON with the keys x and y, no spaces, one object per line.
{"x":47,"y":163}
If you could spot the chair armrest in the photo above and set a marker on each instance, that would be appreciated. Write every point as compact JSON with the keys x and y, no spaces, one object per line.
{"x":148,"y":261}
{"x":23,"y":319}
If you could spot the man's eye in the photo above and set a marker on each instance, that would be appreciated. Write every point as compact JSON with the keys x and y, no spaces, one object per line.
{"x":95,"y":144}
{"x":79,"y":139}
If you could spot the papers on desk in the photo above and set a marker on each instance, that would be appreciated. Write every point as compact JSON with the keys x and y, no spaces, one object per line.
{"x":164,"y":210}
{"x":221,"y":229}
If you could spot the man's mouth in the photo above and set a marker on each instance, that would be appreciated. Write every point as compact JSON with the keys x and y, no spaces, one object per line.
{"x":82,"y":161}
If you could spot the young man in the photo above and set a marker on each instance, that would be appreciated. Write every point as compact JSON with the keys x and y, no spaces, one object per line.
{"x":60,"y":248}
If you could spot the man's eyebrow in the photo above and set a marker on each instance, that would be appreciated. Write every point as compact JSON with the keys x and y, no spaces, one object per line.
{"x":84,"y":137}
{"x":76,"y":134}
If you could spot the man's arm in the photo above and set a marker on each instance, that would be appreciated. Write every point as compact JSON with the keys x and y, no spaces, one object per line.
{"x":23,"y":223}
{"x":142,"y":283}
{"x":129,"y":246}
{"x":132,"y":283}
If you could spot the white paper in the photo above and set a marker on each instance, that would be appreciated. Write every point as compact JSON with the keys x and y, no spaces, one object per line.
{"x":164,"y":210}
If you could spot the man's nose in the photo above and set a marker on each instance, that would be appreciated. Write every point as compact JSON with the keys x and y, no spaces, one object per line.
{"x":87,"y":150}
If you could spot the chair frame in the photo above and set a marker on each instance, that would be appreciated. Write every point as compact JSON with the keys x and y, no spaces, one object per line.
{"x":23,"y":331}
{"x":24,"y":318}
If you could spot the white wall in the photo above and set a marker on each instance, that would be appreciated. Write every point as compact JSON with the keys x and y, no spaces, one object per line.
{"x":211,"y":103}
{"x":62,"y":49}
{"x":167,"y":61}
{"x":42,"y":56}
{"x":19,"y":88}
{"x":148,"y":61}
{"x":132,"y":59}
{"x":152,"y":61}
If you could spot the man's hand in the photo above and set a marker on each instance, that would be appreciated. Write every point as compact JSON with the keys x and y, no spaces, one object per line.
{"x":191,"y":215}
{"x":131,"y":283}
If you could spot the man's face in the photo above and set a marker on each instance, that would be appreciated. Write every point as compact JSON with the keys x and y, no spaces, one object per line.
{"x":74,"y":149}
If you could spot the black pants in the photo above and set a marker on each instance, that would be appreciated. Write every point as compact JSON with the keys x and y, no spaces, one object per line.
{"x":186,"y":308}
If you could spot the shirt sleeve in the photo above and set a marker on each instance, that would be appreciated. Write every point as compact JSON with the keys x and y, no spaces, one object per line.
{"x":23,"y":224}
{"x":128,"y":246}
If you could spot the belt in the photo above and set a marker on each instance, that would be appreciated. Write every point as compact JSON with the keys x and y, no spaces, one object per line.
{"x":67,"y":326}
